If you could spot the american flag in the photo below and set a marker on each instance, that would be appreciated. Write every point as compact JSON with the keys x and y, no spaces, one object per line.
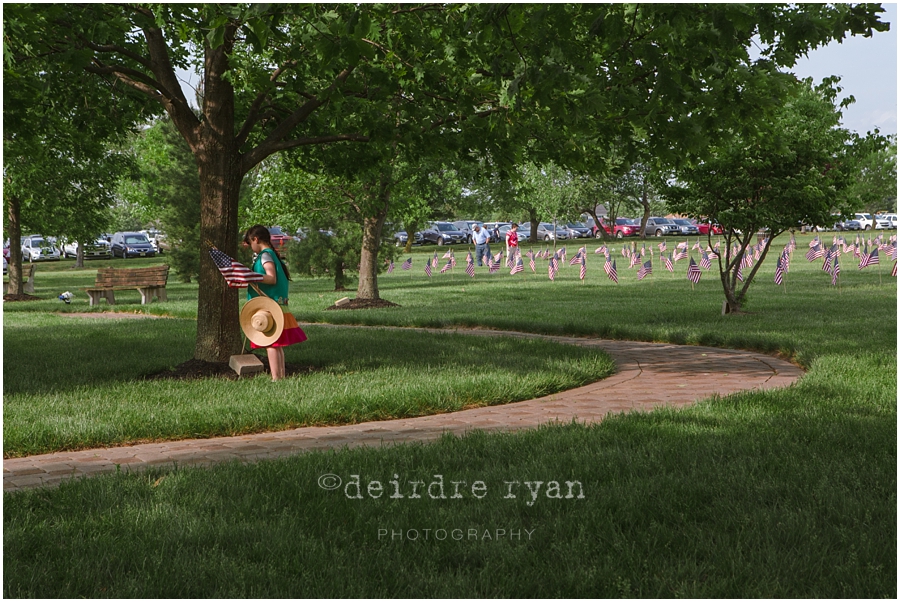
{"x":835,"y":271}
{"x":625,"y":251}
{"x":793,"y":243}
{"x":495,"y":263}
{"x":610,"y":269}
{"x":814,"y":241}
{"x":740,"y":273}
{"x":696,"y":246}
{"x":390,"y":266}
{"x":562,"y":254}
{"x":575,"y":259}
{"x":815,"y":252}
{"x":647,"y":268}
{"x":667,"y":261}
{"x":747,"y":260}
{"x":680,"y":253}
{"x":452,"y":260}
{"x":779,"y":271}
{"x":434,"y":260}
{"x":635,"y":259}
{"x":517,"y":268}
{"x":447,"y":254}
{"x":583,"y":269}
{"x":870,"y":259}
{"x":894,"y":269}
{"x":553,"y":268}
{"x":406,"y":264}
{"x":428,"y":269}
{"x":236,"y":274}
{"x":531,"y":263}
{"x":447,"y":267}
{"x":693,"y":272}
{"x":662,"y":247}
{"x":710,"y":253}
{"x":704,"y":261}
{"x":511,"y":260}
{"x":470,"y":265}
{"x":600,"y":249}
{"x":830,"y":255}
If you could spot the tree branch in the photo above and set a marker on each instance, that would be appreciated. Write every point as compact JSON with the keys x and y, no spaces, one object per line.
{"x":257,"y":103}
{"x":250,"y":159}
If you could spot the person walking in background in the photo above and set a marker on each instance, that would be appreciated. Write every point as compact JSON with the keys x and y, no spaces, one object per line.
{"x":512,"y":241}
{"x":275,"y":286}
{"x":482,"y":240}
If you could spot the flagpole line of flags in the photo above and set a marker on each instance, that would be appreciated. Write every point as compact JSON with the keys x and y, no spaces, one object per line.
{"x":867,"y":251}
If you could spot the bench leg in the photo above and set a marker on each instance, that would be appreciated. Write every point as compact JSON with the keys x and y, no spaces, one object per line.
{"x":93,"y":297}
{"x":146,"y":295}
{"x":110,"y":297}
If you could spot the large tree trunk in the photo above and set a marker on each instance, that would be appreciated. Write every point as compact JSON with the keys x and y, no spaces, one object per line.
{"x":15,"y":245}
{"x":79,"y":256}
{"x":368,"y":260}
{"x":219,"y":168}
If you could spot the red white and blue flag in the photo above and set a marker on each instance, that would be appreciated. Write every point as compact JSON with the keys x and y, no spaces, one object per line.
{"x":647,"y":268}
{"x":835,"y":271}
{"x":236,"y":274}
{"x":779,"y":270}
{"x":667,"y":262}
{"x":704,"y":261}
{"x":390,"y":266}
{"x":693,"y":272}
{"x":406,"y":264}
{"x":583,"y":271}
{"x":470,"y":265}
{"x":610,"y":269}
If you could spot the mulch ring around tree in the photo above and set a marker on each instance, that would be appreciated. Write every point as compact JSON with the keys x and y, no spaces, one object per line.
{"x":364,"y":304}
{"x":22,"y":297}
{"x":197,"y":369}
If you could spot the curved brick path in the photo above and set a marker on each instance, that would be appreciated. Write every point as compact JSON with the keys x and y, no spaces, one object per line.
{"x":657,"y":375}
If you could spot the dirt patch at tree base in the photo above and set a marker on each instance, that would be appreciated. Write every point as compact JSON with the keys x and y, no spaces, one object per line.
{"x":364,"y":304}
{"x":22,"y":297}
{"x":197,"y":369}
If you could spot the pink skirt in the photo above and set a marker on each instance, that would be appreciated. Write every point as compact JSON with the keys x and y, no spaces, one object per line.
{"x":291,"y":335}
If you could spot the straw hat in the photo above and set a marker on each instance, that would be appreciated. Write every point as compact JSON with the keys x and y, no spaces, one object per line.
{"x":262,"y":321}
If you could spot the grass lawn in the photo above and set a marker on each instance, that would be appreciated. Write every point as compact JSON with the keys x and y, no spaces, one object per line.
{"x":786,"y":493}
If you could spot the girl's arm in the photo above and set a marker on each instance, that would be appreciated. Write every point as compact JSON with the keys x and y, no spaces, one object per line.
{"x":271,"y":276}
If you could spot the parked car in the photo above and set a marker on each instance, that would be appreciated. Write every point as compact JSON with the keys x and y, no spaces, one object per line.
{"x":546,"y":233}
{"x":661,"y":226}
{"x":36,"y":248}
{"x":704,"y":226}
{"x":443,"y":233}
{"x":99,"y":249}
{"x":889,"y":217}
{"x":578,"y":230}
{"x":624,"y":227}
{"x":155,"y":237}
{"x":131,"y":244}
{"x":401,"y":237}
{"x":524,"y":232}
{"x":847,"y":224}
{"x":687,"y":227}
{"x":465,"y":225}
{"x":279,"y":240}
{"x":868,"y":222}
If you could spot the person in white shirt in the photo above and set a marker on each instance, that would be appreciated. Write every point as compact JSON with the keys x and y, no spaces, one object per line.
{"x":481,"y":238}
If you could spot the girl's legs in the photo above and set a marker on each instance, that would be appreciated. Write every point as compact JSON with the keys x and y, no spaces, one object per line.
{"x":276,"y":362}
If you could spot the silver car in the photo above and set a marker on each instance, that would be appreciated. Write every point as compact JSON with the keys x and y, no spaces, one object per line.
{"x":661,"y":226}
{"x":545,"y":232}
{"x":687,"y":227}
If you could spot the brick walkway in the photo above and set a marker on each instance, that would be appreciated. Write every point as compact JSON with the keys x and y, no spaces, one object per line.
{"x":648,"y":375}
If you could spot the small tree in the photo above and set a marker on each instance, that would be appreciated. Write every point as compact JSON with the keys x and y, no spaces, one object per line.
{"x":793,"y":169}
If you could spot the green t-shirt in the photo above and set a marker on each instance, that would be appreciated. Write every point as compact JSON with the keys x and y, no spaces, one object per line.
{"x":277,"y":291}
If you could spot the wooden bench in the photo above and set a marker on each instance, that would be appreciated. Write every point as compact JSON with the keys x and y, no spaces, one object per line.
{"x":149,"y":282}
{"x":27,"y":279}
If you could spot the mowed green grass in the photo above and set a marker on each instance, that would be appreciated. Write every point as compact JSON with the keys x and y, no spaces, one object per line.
{"x":786,"y":493}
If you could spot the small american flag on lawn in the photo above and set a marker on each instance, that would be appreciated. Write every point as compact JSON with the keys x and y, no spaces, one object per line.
{"x":696,"y":246}
{"x":740,"y":273}
{"x":779,"y":271}
{"x":406,"y":264}
{"x":662,"y":247}
{"x":390,"y":266}
{"x":647,"y":268}
{"x":747,"y":260}
{"x":712,"y":254}
{"x":236,"y":274}
{"x":704,"y":261}
{"x":447,"y":267}
{"x":517,"y":268}
{"x":495,"y":263}
{"x":835,"y":271}
{"x":680,"y":254}
{"x":667,"y":262}
{"x":447,"y":254}
{"x":693,"y":272}
{"x":894,"y":269}
{"x":870,"y":259}
{"x":531,"y":263}
{"x":470,"y":265}
{"x":610,"y":269}
{"x":635,"y":259}
{"x":575,"y":259}
{"x":553,"y":268}
{"x":428,"y":269}
{"x":583,"y":271}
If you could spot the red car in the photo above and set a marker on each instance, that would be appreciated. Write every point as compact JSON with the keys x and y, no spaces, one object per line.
{"x":279,"y":240}
{"x":624,"y":227}
{"x":705,"y":225}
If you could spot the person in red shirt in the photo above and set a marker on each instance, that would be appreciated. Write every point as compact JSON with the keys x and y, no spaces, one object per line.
{"x":512,"y":241}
